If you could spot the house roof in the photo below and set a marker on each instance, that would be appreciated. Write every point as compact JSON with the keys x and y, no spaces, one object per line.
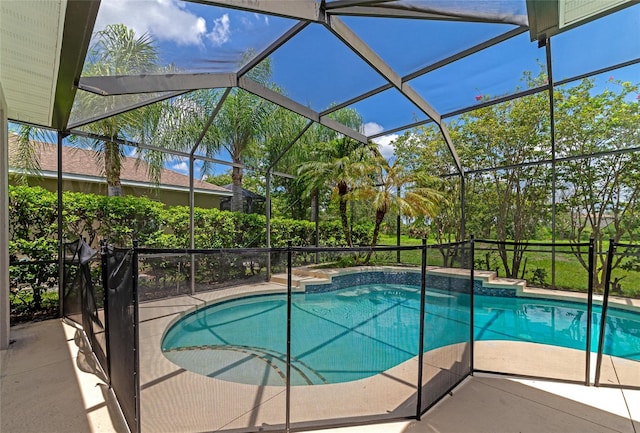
{"x":80,"y":164}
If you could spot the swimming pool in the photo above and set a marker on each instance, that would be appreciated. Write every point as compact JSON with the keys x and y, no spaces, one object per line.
{"x":357,"y":332}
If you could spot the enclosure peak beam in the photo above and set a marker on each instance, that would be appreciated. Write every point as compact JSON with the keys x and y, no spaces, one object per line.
{"x":284,"y":102}
{"x":289,"y":34}
{"x":427,"y":10}
{"x":358,"y":46}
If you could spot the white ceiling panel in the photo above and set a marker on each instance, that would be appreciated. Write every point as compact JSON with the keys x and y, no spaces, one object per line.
{"x":30,"y":43}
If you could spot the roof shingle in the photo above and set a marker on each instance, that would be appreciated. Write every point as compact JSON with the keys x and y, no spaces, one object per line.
{"x":78,"y":161}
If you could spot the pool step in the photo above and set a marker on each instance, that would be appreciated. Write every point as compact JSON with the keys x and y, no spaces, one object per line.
{"x":297,"y":280}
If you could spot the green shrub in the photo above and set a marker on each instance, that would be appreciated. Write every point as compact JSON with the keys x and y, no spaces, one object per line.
{"x":121,"y":220}
{"x":33,"y":246}
{"x":33,"y":213}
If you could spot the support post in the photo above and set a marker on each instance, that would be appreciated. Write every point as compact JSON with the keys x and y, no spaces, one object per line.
{"x":463,"y":195}
{"x":136,"y":332}
{"x":268,"y":190}
{"x":605,"y":305}
{"x":192,"y":228}
{"x":267,"y":211}
{"x":423,"y":296}
{"x":4,"y":225}
{"x":192,"y":198}
{"x":60,"y":137}
{"x":553,"y":159}
{"x":472,"y":290}
{"x":592,"y":262}
{"x":317,"y":223}
{"x":104,"y":268}
{"x":398,"y":222}
{"x":288,"y":369}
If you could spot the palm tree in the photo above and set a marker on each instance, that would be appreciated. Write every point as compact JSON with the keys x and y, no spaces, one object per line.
{"x":117,"y":51}
{"x":384,"y":194}
{"x":343,"y":165}
{"x":242,"y":124}
{"x":25,"y":154}
{"x":277,"y":149}
{"x":239,"y":127}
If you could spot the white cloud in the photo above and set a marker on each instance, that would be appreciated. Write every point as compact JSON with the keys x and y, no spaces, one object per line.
{"x":371,"y":128}
{"x":385,"y":142}
{"x":165,"y":20}
{"x":221,"y":31}
{"x":264,"y":18}
{"x":181,"y":167}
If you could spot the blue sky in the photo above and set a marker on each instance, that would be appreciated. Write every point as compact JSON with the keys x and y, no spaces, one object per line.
{"x":315,"y":69}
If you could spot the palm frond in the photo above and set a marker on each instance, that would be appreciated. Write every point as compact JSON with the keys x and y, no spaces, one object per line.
{"x":25,"y":155}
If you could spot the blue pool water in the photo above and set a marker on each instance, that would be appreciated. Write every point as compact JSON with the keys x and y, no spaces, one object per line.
{"x":357,"y":332}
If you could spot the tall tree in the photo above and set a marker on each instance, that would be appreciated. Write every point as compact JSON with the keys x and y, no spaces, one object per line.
{"x":341,"y":165}
{"x":116,"y":50}
{"x":423,"y":149}
{"x":282,"y":154}
{"x":515,"y":197}
{"x":240,"y":126}
{"x":321,"y":134}
{"x":392,"y":187}
{"x":506,"y":204}
{"x":600,"y":195}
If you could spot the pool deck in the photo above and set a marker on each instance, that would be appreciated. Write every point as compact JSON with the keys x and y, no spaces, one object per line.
{"x":49,"y":384}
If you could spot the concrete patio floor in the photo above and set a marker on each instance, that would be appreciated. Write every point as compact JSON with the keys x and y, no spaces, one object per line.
{"x":47,"y":384}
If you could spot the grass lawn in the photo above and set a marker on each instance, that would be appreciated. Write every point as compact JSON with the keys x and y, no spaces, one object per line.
{"x":537,"y":269}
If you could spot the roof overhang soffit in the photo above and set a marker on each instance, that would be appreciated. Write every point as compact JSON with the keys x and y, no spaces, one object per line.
{"x":550,"y":17}
{"x":41,"y":56}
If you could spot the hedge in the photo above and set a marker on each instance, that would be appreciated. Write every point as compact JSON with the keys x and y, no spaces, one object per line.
{"x":120,"y":220}
{"x":33,"y":228}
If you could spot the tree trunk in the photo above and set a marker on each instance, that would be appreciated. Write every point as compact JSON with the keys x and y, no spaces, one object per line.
{"x":112,"y":169}
{"x":342,"y":192}
{"x":516,"y":261}
{"x":236,"y":200}
{"x":314,"y":206}
{"x":380,"y":213}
